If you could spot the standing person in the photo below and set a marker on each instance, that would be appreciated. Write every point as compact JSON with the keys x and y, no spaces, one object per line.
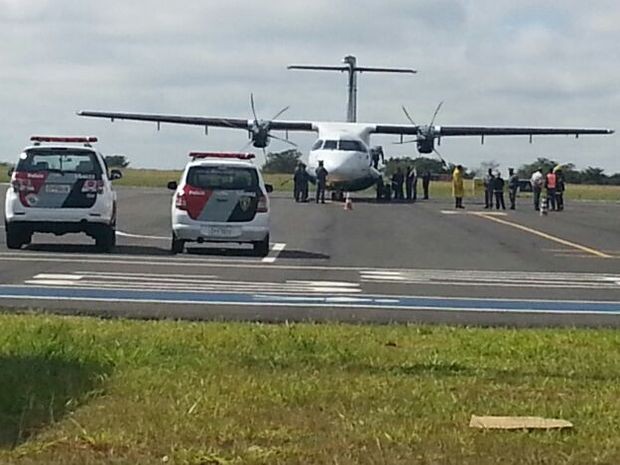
{"x":426,"y":180}
{"x":298,"y":179}
{"x":457,"y":186}
{"x":561,"y":187}
{"x":409,"y":181}
{"x":488,"y":189}
{"x":537,"y":181}
{"x":305,"y":179}
{"x":398,"y":180}
{"x":513,"y":187}
{"x":415,"y":184}
{"x":321,"y":182}
{"x":551,"y":183}
{"x":498,"y":189}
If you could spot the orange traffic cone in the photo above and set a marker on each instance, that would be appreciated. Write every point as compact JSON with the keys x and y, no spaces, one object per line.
{"x":348,"y":204}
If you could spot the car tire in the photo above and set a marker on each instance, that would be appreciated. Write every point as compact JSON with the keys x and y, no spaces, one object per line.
{"x":14,"y":237}
{"x":105,"y":239}
{"x":177,"y":245}
{"x":262,"y":248}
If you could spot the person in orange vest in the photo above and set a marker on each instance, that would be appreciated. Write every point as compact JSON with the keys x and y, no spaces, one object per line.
{"x":551,"y":183}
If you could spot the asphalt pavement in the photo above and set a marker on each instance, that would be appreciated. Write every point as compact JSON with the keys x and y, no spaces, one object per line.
{"x":397,"y":262}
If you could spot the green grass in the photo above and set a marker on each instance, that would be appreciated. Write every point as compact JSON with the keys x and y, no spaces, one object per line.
{"x":87,"y":391}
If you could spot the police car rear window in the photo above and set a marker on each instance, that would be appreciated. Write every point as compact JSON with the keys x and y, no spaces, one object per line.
{"x":225,"y":178}
{"x":61,"y":161}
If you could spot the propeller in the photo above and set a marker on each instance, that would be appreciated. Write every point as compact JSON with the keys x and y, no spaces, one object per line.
{"x":425,"y":136}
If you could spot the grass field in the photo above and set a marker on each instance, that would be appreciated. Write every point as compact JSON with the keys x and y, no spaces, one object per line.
{"x":283,"y":182}
{"x":87,"y":391}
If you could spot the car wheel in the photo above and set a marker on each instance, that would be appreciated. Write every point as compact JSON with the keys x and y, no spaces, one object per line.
{"x":105,"y":239}
{"x":177,"y":245}
{"x":262,"y":248}
{"x":14,"y":239}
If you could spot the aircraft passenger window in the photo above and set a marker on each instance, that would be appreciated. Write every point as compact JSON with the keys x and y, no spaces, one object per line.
{"x":317,"y":145}
{"x":351,"y":145}
{"x":330,"y":145}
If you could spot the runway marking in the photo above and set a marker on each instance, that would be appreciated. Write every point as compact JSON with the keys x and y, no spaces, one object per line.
{"x":457,"y":212}
{"x":275,"y":251}
{"x":141,"y":236}
{"x":421,"y":303}
{"x":495,"y":279}
{"x":544,"y":235}
{"x":165,"y":282}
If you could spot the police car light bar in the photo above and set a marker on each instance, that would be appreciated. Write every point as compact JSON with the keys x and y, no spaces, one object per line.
{"x":237,"y":155}
{"x":68,"y":139}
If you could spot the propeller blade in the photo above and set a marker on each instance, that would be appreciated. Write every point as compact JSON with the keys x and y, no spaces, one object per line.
{"x":443,"y":162}
{"x":405,"y":142}
{"x":278,"y":114}
{"x":264,"y":153}
{"x":408,"y":116}
{"x":271,"y":136}
{"x":436,"y":112}
{"x":246,"y":146}
{"x":253,"y":106}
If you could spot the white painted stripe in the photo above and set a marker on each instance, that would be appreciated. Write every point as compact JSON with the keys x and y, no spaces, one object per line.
{"x":324,"y":283}
{"x":141,"y":236}
{"x":58,"y":276}
{"x":275,"y":251}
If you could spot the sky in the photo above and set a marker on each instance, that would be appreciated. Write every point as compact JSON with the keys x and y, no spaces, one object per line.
{"x":492,"y":62}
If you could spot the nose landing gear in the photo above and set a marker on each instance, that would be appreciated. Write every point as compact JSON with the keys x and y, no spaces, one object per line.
{"x":337,"y":196}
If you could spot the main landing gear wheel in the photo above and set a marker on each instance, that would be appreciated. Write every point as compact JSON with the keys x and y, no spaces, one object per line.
{"x":177,"y":245}
{"x":338,"y":196}
{"x":261,"y":248}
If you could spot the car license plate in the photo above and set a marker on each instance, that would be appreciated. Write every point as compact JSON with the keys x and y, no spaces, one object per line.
{"x":57,"y":188}
{"x":221,"y":231}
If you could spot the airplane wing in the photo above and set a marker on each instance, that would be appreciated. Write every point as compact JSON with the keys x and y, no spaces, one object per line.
{"x":441,"y":131}
{"x":235,"y":123}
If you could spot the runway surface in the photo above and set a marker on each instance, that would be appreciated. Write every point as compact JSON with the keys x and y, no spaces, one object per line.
{"x":421,"y":262}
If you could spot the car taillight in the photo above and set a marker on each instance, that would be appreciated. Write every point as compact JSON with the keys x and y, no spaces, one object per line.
{"x":180,"y":201}
{"x":262,"y":207}
{"x":22,"y":184}
{"x":93,"y":185}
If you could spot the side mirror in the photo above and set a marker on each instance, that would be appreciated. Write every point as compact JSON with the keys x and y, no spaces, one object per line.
{"x":269,"y":188}
{"x":10,"y":172}
{"x":172,"y":185}
{"x":115,"y":174}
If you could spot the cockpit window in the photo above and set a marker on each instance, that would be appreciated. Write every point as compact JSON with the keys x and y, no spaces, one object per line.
{"x":351,"y":145}
{"x":330,"y":145}
{"x":317,"y":145}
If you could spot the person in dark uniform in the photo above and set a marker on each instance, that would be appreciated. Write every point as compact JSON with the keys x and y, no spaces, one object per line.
{"x":513,"y":187}
{"x":376,"y":154}
{"x":398,"y":179}
{"x":410,"y":180}
{"x":498,"y":190}
{"x":321,"y":182}
{"x":305,"y":180}
{"x":426,"y":180}
{"x":559,"y":189}
{"x":380,"y":186}
{"x":298,"y":179}
{"x":488,"y":189}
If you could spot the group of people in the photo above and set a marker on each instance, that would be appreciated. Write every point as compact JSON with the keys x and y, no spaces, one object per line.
{"x":301,"y":180}
{"x":404,"y":185}
{"x":552,"y":182}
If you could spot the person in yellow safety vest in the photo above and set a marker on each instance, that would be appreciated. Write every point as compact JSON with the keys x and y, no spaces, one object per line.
{"x":457,"y":186}
{"x":551,"y":183}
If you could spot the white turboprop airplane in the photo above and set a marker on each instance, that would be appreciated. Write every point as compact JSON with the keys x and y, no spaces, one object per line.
{"x":344,"y":147}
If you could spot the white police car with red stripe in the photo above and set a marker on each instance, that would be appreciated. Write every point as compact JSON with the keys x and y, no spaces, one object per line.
{"x":61,"y":185}
{"x":221,"y":197}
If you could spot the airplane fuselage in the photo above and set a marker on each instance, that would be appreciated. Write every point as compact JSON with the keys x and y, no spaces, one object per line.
{"x":344,"y":150}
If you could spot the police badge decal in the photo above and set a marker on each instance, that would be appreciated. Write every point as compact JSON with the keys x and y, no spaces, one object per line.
{"x":244,"y":203}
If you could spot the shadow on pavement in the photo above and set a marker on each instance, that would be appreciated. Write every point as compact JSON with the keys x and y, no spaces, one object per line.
{"x":37,"y":392}
{"x":91,"y":249}
{"x":302,"y":254}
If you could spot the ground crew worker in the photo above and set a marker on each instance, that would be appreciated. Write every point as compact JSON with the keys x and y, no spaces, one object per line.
{"x":537,"y":181}
{"x":551,"y":183}
{"x":426,"y":180}
{"x":561,"y":187}
{"x":398,"y":180}
{"x":321,"y":182}
{"x":376,"y":153}
{"x":380,"y":188}
{"x":498,"y":190}
{"x":298,"y":179}
{"x":488,"y":189}
{"x":457,"y":186}
{"x":305,"y":180}
{"x":513,"y":187}
{"x":410,"y":181}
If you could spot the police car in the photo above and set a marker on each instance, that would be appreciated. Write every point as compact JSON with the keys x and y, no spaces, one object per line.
{"x":221,"y":197}
{"x":61,"y":185}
